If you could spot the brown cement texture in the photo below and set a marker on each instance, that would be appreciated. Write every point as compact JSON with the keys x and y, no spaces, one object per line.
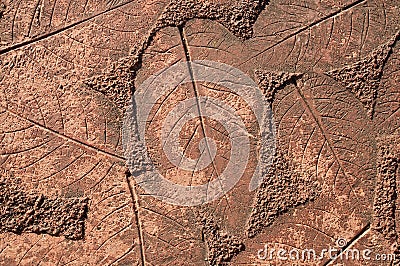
{"x":329,"y":70}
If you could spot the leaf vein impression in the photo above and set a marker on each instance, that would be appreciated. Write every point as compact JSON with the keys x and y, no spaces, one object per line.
{"x":302,"y":29}
{"x":60,"y":30}
{"x":75,"y":141}
{"x":325,"y":134}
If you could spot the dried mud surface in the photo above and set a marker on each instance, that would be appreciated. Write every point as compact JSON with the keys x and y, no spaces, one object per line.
{"x":329,"y":70}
